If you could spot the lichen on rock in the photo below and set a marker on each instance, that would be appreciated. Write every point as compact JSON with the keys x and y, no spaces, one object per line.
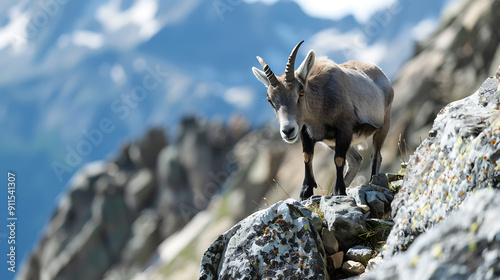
{"x":341,"y":216}
{"x":281,"y":242}
{"x":465,"y":246}
{"x":460,"y":155}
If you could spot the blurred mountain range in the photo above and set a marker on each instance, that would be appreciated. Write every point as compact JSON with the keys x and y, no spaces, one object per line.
{"x":79,"y":78}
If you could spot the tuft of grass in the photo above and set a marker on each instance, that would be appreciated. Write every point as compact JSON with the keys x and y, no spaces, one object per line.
{"x":395,"y":180}
{"x":376,"y":236}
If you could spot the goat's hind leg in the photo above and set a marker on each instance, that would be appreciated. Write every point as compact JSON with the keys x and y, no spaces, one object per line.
{"x":353,"y":162}
{"x":378,"y":141}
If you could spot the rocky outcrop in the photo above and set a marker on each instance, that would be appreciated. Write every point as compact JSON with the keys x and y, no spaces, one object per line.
{"x":460,"y":155}
{"x":342,"y":217}
{"x":281,"y":242}
{"x":445,"y":213}
{"x":464,"y":246}
{"x":315,"y":239}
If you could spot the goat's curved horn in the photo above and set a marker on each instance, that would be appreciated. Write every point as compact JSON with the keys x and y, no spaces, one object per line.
{"x":290,"y":65}
{"x":269,"y":73}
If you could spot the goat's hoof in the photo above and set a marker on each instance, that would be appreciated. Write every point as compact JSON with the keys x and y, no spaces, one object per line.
{"x":339,"y":192}
{"x":306,"y":192}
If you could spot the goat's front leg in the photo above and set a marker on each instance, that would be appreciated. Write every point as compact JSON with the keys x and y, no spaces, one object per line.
{"x":308,"y":150}
{"x":342,"y":143}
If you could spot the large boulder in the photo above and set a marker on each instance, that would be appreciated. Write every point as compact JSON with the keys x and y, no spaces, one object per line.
{"x":464,"y":246}
{"x":281,"y":242}
{"x":460,"y":156}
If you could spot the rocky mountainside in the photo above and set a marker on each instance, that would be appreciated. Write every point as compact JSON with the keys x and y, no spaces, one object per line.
{"x":148,"y":63}
{"x":153,"y":210}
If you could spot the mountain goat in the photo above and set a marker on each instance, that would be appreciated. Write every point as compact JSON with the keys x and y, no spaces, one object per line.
{"x":338,"y":104}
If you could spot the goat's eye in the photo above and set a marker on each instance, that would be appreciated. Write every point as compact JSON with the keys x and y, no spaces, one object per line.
{"x":270,"y":102}
{"x":301,"y":93}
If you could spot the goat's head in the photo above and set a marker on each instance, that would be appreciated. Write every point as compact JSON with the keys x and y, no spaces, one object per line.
{"x":285,"y":93}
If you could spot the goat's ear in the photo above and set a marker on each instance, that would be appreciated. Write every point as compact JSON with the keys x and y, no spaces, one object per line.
{"x":261,"y":76}
{"x":306,"y":66}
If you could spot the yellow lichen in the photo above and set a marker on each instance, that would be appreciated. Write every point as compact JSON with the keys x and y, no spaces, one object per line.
{"x":474,"y":227}
{"x":415,"y":260}
{"x":472,"y":247}
{"x":437,"y":250}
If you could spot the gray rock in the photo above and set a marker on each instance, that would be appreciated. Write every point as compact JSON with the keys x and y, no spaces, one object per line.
{"x":329,"y":241}
{"x":375,"y":262}
{"x":464,"y":246}
{"x":175,"y":203}
{"x":373,"y":198}
{"x":376,"y":203}
{"x":459,"y":156}
{"x":280,"y":240}
{"x":380,"y":180}
{"x":140,"y":189}
{"x":353,"y":267}
{"x":150,"y":146}
{"x":343,"y":217}
{"x":360,"y":254}
{"x":450,"y":65}
{"x":143,"y":242}
{"x":360,"y":197}
{"x":123,"y":161}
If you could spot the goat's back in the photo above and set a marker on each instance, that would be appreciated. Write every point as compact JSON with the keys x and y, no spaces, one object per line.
{"x":376,"y":75}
